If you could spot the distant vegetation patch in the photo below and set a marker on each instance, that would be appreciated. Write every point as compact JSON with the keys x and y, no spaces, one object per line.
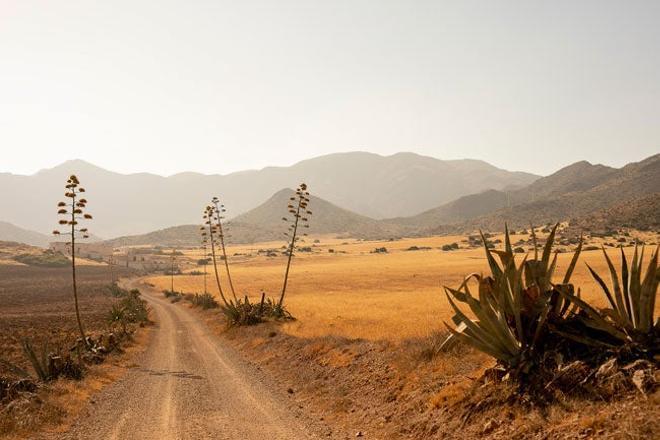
{"x":47,"y":259}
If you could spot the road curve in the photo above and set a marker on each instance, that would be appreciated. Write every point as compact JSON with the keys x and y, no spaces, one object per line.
{"x":186,"y":386}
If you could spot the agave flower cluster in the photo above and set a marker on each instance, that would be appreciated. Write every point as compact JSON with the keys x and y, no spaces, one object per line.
{"x":74,"y":210}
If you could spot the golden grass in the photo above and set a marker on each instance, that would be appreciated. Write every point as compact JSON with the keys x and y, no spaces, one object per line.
{"x":358,"y":294}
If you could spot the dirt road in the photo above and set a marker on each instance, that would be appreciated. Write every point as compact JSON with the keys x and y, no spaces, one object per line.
{"x":187,"y":386}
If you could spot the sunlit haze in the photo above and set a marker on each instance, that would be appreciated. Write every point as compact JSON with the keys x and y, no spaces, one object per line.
{"x":222,"y":86}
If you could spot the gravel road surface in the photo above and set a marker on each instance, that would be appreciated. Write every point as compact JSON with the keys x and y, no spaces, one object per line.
{"x":187,"y":385}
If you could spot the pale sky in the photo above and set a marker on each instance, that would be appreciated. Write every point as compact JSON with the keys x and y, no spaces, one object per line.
{"x":221,"y":86}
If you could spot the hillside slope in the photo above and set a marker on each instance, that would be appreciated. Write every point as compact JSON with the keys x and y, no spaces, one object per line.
{"x":10,"y":232}
{"x":264,"y":223}
{"x":574,"y":191}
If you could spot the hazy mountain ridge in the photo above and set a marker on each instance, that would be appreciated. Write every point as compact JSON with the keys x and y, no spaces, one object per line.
{"x":365,"y":183}
{"x":575,"y":192}
{"x":13,"y":233}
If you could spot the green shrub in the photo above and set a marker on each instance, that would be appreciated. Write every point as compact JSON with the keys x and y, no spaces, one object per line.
{"x":47,"y":259}
{"x":131,"y":309}
{"x":204,"y":300}
{"x":50,"y":366}
{"x":243,"y":312}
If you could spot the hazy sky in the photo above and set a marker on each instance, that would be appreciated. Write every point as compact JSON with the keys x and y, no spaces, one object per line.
{"x":213,"y":86}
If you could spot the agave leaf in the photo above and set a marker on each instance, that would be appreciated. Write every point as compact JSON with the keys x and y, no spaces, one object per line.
{"x":460,"y":296}
{"x":575,"y":307}
{"x":541,"y":323}
{"x":551,"y":271}
{"x":476,"y":330}
{"x":479,"y":345}
{"x":574,"y":260}
{"x":494,"y":267}
{"x":647,"y":295}
{"x":491,"y":325}
{"x":507,"y":240}
{"x":495,"y":311}
{"x":620,"y":306}
{"x":626,"y":291}
{"x":547,"y":249}
{"x":582,"y":339}
{"x":602,"y":284}
{"x":597,"y":319}
{"x":452,"y":339}
{"x":517,"y":306}
{"x":635,"y":281}
{"x":536,"y":251}
{"x":605,"y":328}
{"x":466,"y":280}
{"x":505,"y":257}
{"x":654,"y":296}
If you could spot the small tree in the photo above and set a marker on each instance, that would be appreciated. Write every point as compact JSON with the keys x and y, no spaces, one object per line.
{"x":73,"y":212}
{"x":210,"y":230}
{"x":219,"y":209}
{"x":299,"y":218}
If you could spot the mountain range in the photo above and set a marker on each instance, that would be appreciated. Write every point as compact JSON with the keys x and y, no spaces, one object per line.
{"x":368,"y":184}
{"x":593,"y":197}
{"x":573,"y":192}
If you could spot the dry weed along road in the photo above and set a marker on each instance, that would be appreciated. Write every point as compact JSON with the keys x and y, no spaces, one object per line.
{"x":187,"y":386}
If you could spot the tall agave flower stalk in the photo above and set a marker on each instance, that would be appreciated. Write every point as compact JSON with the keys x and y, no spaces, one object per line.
{"x":172,"y":262}
{"x":210,"y":230}
{"x":299,"y":217}
{"x":111,"y":263}
{"x":219,"y":210}
{"x":73,"y":213}
{"x":205,"y":255}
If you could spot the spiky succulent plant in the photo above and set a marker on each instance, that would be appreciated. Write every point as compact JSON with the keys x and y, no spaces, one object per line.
{"x":513,"y":303}
{"x":629,"y":320}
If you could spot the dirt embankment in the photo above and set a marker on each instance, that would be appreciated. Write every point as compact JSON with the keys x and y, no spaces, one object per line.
{"x":383,"y":390}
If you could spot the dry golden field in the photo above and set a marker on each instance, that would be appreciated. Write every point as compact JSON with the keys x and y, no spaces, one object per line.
{"x":358,"y":294}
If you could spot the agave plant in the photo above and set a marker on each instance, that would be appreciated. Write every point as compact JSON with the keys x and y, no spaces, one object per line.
{"x":630,"y":318}
{"x":513,"y":304}
{"x":117,"y":316}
